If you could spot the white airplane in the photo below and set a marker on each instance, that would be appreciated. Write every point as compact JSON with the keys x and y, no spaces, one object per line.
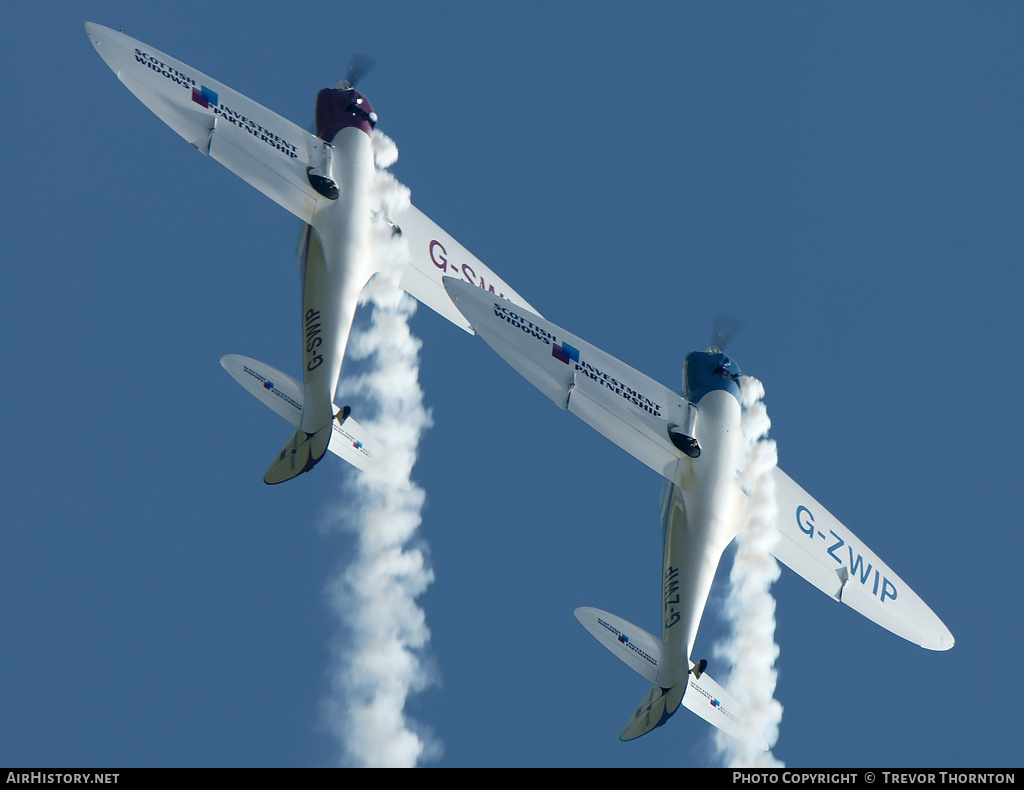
{"x":695,"y":442}
{"x":323,"y":179}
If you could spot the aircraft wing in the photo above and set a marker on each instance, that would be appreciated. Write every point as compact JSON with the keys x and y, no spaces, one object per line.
{"x":823,"y":551}
{"x":433,"y":255}
{"x":261,"y":147}
{"x":633,"y":411}
{"x":271,"y":153}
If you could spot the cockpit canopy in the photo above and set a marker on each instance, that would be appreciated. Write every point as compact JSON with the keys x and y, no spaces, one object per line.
{"x":704,"y":371}
{"x":337,"y":108}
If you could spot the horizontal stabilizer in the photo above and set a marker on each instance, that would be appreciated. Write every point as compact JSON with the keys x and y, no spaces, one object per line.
{"x":641,"y":652}
{"x":283,"y":394}
{"x":702,"y":696}
{"x":713,"y":704}
{"x":814,"y":544}
{"x":632,"y":645}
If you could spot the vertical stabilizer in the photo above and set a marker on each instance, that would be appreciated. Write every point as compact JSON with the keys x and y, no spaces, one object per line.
{"x":654,"y":709}
{"x":300,"y":455}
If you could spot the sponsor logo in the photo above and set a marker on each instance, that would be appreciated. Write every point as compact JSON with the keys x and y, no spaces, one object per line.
{"x":208,"y":99}
{"x":568,"y":354}
{"x":624,"y":391}
{"x":715,"y":703}
{"x":625,"y":640}
{"x":204,"y":97}
{"x":565,"y":353}
{"x":161,"y":68}
{"x":353,"y":441}
{"x":269,"y":385}
{"x":530,"y":328}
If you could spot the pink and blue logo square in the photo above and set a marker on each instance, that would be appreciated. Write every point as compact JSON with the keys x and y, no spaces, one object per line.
{"x":204,"y":97}
{"x":563,"y":352}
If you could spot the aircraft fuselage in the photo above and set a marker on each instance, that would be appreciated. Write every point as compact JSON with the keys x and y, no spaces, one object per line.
{"x":700,"y":517}
{"x":335,"y":264}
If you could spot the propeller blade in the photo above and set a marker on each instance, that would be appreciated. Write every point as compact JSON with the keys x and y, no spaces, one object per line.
{"x":725,"y":329}
{"x":358,"y":67}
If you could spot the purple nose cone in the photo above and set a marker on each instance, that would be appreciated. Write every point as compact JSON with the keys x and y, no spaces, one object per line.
{"x":337,"y":108}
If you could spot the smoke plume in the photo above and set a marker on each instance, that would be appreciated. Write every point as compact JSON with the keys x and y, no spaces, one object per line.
{"x":380,"y":657}
{"x":750,"y":607}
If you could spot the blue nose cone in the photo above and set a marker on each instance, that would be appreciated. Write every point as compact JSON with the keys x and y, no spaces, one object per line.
{"x":704,"y":371}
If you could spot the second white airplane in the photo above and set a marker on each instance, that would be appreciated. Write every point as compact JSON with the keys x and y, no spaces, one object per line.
{"x":696,"y":443}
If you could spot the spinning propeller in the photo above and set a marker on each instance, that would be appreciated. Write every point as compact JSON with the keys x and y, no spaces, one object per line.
{"x":725,"y":329}
{"x":358,"y":67}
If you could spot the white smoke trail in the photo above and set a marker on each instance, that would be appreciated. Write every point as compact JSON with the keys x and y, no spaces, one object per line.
{"x":750,"y":606}
{"x":380,"y":657}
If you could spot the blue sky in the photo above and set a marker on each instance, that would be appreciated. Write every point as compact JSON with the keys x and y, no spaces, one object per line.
{"x":845,"y":178}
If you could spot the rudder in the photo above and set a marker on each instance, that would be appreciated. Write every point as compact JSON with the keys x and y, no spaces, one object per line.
{"x":300,"y":454}
{"x":654,"y":709}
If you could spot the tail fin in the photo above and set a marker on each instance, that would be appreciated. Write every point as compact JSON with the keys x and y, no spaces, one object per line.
{"x":655,"y":709}
{"x":300,"y":455}
{"x":284,"y":395}
{"x":642,"y":652}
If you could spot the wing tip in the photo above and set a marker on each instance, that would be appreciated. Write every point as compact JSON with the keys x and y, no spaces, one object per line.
{"x":944,"y":641}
